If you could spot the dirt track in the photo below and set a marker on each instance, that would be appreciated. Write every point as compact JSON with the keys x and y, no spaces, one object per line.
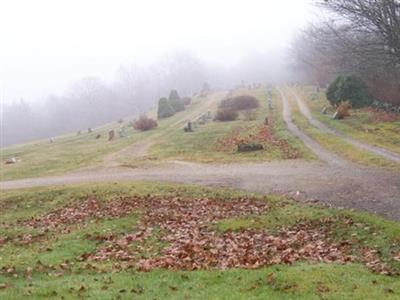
{"x":332,"y":180}
{"x":321,"y":126}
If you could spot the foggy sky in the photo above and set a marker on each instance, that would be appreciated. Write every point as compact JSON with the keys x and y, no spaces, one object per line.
{"x":45,"y":45}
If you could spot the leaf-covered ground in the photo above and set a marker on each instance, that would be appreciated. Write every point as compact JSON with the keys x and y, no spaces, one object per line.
{"x":151,"y":241}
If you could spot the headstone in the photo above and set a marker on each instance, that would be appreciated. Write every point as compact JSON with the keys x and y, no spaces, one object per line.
{"x":89,"y":130}
{"x":188,"y":127}
{"x":111,"y":135}
{"x":249,"y":147}
{"x":98,"y":136}
{"x":324,"y":110}
{"x":51,"y":140}
{"x":266,"y":122}
{"x":122,"y":132}
{"x":335,"y":116}
{"x":10,"y":161}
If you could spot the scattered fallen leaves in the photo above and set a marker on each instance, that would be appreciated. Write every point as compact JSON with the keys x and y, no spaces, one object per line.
{"x":193,"y":243}
{"x":261,"y":134}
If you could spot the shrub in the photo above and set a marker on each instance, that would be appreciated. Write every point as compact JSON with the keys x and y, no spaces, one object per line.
{"x":343,"y":110}
{"x":144,"y":123}
{"x":165,"y":109}
{"x":173,"y":95}
{"x":177,"y":105}
{"x":225,"y":115}
{"x":175,"y":101}
{"x":243,"y":102}
{"x":348,"y":87}
{"x":250,"y":115}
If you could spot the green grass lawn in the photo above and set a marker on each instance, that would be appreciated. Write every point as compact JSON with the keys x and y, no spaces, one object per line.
{"x":203,"y":145}
{"x":65,"y":154}
{"x":50,"y":266}
{"x":168,"y":141}
{"x":71,"y":152}
{"x":361,"y":125}
{"x":337,"y":145}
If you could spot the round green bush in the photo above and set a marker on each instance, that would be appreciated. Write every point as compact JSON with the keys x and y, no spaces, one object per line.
{"x":175,"y":101}
{"x":165,"y":109}
{"x":226,"y":115}
{"x":351,"y":88}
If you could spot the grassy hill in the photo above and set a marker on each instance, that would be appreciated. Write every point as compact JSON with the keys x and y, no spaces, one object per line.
{"x":210,"y":142}
{"x":146,"y":240}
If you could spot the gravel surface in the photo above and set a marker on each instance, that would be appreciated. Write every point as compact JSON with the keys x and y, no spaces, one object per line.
{"x":321,"y":126}
{"x":332,"y":180}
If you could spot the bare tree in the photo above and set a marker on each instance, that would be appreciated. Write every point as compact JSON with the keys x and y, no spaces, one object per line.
{"x":378,"y":20}
{"x":362,"y":39}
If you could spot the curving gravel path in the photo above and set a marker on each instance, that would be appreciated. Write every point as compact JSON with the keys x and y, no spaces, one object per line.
{"x":321,"y":126}
{"x":323,"y":154}
{"x":332,"y":180}
{"x":372,"y":190}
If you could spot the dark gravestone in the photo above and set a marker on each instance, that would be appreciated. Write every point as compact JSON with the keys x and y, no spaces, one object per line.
{"x":98,"y":136}
{"x":111,"y":135}
{"x":188,"y":127}
{"x":249,"y":147}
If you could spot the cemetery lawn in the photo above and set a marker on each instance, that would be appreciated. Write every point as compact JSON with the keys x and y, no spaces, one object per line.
{"x":47,"y":236}
{"x":366,"y":125}
{"x":337,"y":145}
{"x":215,"y":141}
{"x":211,"y":142}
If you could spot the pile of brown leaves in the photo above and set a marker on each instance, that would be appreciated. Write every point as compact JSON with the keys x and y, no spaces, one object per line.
{"x":79,"y":213}
{"x":194,"y":244}
{"x":261,"y":134}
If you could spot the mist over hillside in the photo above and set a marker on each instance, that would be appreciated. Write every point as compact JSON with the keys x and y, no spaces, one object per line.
{"x":91,"y":101}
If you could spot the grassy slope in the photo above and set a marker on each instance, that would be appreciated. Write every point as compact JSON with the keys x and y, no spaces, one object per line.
{"x":358,"y":125}
{"x":299,"y":281}
{"x":72,"y":152}
{"x":170,"y":142}
{"x":202,"y":144}
{"x":337,"y":145}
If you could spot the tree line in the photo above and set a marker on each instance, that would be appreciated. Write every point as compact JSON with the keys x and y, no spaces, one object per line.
{"x":358,"y":37}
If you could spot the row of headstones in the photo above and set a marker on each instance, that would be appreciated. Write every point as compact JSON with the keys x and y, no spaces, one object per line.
{"x":202,"y":120}
{"x":111,"y":134}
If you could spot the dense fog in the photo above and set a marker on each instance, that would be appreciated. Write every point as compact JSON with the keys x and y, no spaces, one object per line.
{"x":91,"y":101}
{"x":71,"y":65}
